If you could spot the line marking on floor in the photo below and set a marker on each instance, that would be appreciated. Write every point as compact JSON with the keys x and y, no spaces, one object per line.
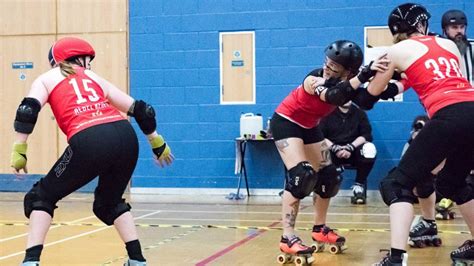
{"x":53,"y":227}
{"x":74,"y":237}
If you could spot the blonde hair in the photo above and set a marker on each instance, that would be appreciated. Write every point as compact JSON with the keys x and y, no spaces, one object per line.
{"x":400,"y":37}
{"x":67,"y":68}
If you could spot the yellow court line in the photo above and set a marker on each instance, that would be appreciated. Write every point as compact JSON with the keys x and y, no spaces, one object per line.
{"x":195,"y":226}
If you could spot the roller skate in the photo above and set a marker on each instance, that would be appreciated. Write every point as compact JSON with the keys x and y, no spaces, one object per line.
{"x":134,"y":263}
{"x":294,"y":251}
{"x":30,"y":263}
{"x":327,"y":236}
{"x":424,"y":234}
{"x":444,"y":210}
{"x":388,"y":260}
{"x":360,"y":194}
{"x":464,"y":255}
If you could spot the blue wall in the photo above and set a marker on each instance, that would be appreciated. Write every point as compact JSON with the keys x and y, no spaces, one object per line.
{"x":174,"y":65}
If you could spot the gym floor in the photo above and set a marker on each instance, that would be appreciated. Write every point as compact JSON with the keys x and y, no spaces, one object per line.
{"x":210,"y":230}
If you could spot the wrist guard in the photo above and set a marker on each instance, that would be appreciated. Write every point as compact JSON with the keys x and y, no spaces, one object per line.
{"x":366,"y":73}
{"x":159,"y":147}
{"x":18,"y":156}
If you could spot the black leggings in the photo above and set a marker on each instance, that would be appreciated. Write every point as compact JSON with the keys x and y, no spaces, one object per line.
{"x":449,"y":134}
{"x":109,"y":151}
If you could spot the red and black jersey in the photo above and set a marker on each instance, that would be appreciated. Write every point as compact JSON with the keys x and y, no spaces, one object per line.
{"x":78,"y":102}
{"x":304,"y":109}
{"x":436,"y":77}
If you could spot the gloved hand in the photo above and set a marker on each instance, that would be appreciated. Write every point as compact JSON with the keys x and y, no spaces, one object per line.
{"x":348,"y":147}
{"x":335,"y":148}
{"x":18,"y":157}
{"x":161,"y":150}
{"x":366,"y":73}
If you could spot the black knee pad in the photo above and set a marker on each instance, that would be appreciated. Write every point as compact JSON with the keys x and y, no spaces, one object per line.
{"x":426,"y":187}
{"x":36,"y":201}
{"x":459,"y":194}
{"x":107,"y":213}
{"x":301,"y":180}
{"x":329,"y":181}
{"x":393,"y":191}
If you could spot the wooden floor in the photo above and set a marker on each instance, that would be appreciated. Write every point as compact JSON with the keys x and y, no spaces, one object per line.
{"x":208,"y":230}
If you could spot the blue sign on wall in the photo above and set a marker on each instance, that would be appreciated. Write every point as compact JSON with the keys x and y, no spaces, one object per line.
{"x":237,"y":63}
{"x":22,"y":65}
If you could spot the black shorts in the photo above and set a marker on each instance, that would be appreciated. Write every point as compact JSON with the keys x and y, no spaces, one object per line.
{"x":448,"y":134}
{"x":109,"y":151}
{"x":283,"y":128}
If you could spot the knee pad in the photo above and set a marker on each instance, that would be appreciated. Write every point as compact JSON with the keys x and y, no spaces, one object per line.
{"x":459,"y":194}
{"x":368,"y":151}
{"x":107,"y":213}
{"x":36,"y":201}
{"x":393,"y":191}
{"x":329,"y":181}
{"x":425,"y":188}
{"x":301,"y":180}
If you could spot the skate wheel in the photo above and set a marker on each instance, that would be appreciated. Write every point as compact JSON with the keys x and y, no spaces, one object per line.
{"x":437,"y":242}
{"x":318,"y":247}
{"x":283,"y":258}
{"x":300,"y":261}
{"x":310,"y":260}
{"x":334,"y":249}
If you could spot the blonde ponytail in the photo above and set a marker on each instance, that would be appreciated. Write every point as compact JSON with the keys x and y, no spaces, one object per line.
{"x":67,"y":68}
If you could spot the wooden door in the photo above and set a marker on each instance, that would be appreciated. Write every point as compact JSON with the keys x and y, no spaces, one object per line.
{"x":17,"y":52}
{"x":237,"y":67}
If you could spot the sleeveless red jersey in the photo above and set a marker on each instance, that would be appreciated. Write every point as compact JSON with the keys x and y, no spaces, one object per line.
{"x":436,"y":77}
{"x":78,"y":102}
{"x":303,"y":108}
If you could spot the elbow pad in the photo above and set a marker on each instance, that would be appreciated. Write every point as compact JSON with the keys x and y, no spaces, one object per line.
{"x":364,"y":99}
{"x":27,"y":115}
{"x":340,"y":93}
{"x":144,"y":115}
{"x":390,"y":92}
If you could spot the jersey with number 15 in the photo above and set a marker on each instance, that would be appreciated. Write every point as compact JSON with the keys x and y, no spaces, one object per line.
{"x":78,"y":102}
{"x":436,"y":77}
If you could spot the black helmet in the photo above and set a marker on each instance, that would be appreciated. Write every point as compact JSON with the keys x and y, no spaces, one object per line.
{"x":404,"y":18}
{"x":346,"y":53}
{"x":453,"y":17}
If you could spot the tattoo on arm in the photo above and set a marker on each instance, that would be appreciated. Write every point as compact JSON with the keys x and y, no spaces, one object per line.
{"x":281,"y":144}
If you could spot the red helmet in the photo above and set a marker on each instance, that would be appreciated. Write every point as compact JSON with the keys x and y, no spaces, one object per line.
{"x":69,"y":47}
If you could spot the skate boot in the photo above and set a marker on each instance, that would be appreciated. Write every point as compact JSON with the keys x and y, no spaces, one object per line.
{"x":464,"y":255}
{"x":444,"y":210}
{"x":30,"y":263}
{"x":424,"y":234}
{"x":327,"y":236}
{"x":387,"y":260}
{"x":293,"y":250}
{"x":360,"y":194}
{"x":134,"y":263}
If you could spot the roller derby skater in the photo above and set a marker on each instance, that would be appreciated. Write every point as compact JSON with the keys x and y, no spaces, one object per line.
{"x":464,"y":255}
{"x":423,"y":234}
{"x":324,"y":236}
{"x":451,"y":113}
{"x":299,"y":140}
{"x":444,"y":210}
{"x":294,"y":251}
